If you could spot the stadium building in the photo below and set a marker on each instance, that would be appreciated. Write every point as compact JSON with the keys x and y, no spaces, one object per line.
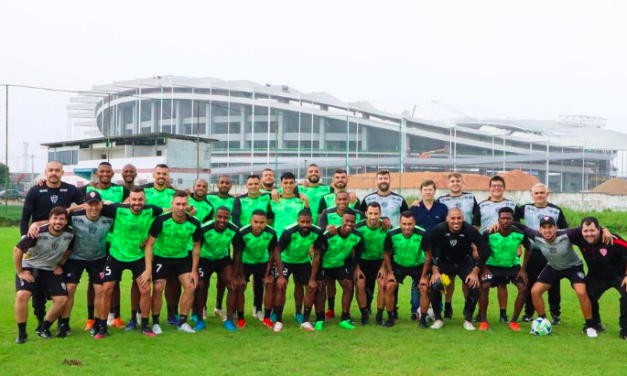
{"x":258,"y":126}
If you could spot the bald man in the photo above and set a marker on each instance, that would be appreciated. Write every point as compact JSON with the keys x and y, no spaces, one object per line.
{"x":129,"y":173}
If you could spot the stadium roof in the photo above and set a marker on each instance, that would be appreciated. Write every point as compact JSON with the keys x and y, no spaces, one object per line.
{"x":134,"y":139}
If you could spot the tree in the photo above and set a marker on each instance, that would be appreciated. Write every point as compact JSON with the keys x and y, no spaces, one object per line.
{"x":4,"y":176}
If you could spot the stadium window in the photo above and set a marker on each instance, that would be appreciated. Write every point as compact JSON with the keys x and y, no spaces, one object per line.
{"x":159,"y":152}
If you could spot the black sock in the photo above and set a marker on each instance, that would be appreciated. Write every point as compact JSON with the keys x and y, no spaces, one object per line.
{"x":46,"y":326}
{"x":116,"y":311}
{"x":279,"y":313}
{"x":133,"y":315}
{"x":219,"y":299}
{"x":240,"y":315}
{"x":40,"y":320}
{"x":229,"y":316}
{"x":96,"y":327}
{"x":590,"y":323}
{"x":390,"y":315}
{"x":503,"y":312}
{"x":171,"y":312}
{"x":90,"y":312}
{"x":307,"y":314}
{"x":266,"y":313}
{"x":542,"y":316}
{"x":21,"y":327}
{"x":66,"y":323}
{"x":331,"y":302}
{"x":182,"y":319}
{"x":345,"y":316}
{"x":320,"y":316}
{"x":379,"y":313}
{"x":155,"y":319}
{"x":364,"y":312}
{"x":448,"y":305}
{"x":145,"y":322}
{"x":423,"y":317}
{"x":299,"y":309}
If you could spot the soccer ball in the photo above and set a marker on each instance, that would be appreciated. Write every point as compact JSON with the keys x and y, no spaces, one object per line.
{"x":541,"y":327}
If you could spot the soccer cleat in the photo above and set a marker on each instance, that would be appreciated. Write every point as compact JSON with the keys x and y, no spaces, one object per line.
{"x":514,"y":326}
{"x":44,"y":333}
{"x":319,"y":325}
{"x":483,"y":326}
{"x":346,"y":324}
{"x":468,"y":325}
{"x":186,"y":328}
{"x":194,"y":318}
{"x":101,"y":334}
{"x":389,"y":324}
{"x":307,"y":326}
{"x":504,"y":320}
{"x":278,"y":327}
{"x":273,"y":317}
{"x":591,"y":333}
{"x":527,"y":318}
{"x":132,"y":325}
{"x":598,"y":327}
{"x":413,"y":317}
{"x":330,"y":314}
{"x":378,"y":321}
{"x":438,"y":324}
{"x":200,"y":325}
{"x":89,"y":325}
{"x":64,"y":333}
{"x":38,"y":328}
{"x":220,"y":313}
{"x":228,"y":325}
{"x":156,"y":329}
{"x":93,"y":331}
{"x":172,"y":321}
{"x":259,"y":315}
{"x":241,"y":324}
{"x":149,"y":333}
{"x":365,"y":319}
{"x":21,"y":339}
{"x":623,"y":336}
{"x":423,"y":324}
{"x":448,"y":313}
{"x":556,"y":320}
{"x":299,"y":318}
{"x":110,"y":319}
{"x":117,"y":323}
{"x":267,"y":323}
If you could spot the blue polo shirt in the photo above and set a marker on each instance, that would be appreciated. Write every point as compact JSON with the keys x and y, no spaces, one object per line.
{"x":429,"y":218}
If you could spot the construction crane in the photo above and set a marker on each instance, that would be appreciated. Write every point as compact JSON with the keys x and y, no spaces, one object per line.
{"x":453,"y":110}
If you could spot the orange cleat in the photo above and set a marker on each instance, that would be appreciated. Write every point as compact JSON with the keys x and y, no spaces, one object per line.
{"x":514,"y":326}
{"x":118,"y":323}
{"x":241,"y":324}
{"x":330,"y":314}
{"x":90,"y":324}
{"x":268,"y":323}
{"x":483,"y":326}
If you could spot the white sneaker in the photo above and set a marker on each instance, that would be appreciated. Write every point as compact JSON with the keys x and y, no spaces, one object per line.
{"x":110,"y":319}
{"x":185,"y":328}
{"x":278,"y":327}
{"x":438,"y":324}
{"x":259,"y":315}
{"x":468,"y":325}
{"x":307,"y":326}
{"x":220,"y":313}
{"x":591,"y":333}
{"x":157,"y":329}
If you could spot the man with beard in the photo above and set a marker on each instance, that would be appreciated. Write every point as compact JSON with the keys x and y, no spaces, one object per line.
{"x":219,"y":198}
{"x":39,"y":267}
{"x":314,"y":190}
{"x":291,"y":257}
{"x":532,"y":213}
{"x":267,"y":181}
{"x":340,"y":179}
{"x":130,"y":231}
{"x":607,"y":266}
{"x":452,"y":246}
{"x":198,"y":200}
{"x":245,"y":204}
{"x":39,"y":200}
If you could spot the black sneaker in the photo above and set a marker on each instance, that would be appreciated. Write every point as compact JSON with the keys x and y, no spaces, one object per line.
{"x":388,"y":324}
{"x":38,"y":328}
{"x":623,"y":336}
{"x":64,"y":333}
{"x":423,"y":324}
{"x":44,"y":333}
{"x":395,"y":315}
{"x":598,"y":327}
{"x":21,"y":339}
{"x":448,"y":313}
{"x":527,"y":318}
{"x":365,"y":320}
{"x":413,"y":317}
{"x":557,"y":320}
{"x":504,"y":320}
{"x":378,"y":321}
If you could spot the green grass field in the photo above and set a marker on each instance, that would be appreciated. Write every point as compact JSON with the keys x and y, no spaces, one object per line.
{"x":404,"y":349}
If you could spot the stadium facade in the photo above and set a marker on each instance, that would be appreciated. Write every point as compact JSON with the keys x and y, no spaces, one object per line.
{"x":258,"y":126}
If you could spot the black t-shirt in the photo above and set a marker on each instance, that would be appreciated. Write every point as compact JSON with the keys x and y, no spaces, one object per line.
{"x":452,"y":248}
{"x":41,"y":199}
{"x":604,"y":262}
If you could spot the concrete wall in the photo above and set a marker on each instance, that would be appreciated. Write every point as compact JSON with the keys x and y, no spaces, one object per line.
{"x":573,"y":201}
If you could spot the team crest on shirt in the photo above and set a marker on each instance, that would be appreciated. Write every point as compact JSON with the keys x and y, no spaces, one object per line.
{"x":384,"y":204}
{"x":92,"y":229}
{"x":453,"y":242}
{"x":55,"y":246}
{"x":54,"y":199}
{"x":458,"y":205}
{"x":553,"y":250}
{"x":603,"y":252}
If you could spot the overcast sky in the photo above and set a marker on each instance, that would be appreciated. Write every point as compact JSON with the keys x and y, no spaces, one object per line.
{"x":491,"y":58}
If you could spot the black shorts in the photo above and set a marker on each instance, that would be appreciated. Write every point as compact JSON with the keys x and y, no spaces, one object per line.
{"x":164,"y":267}
{"x":370,"y":268}
{"x":113,"y":268}
{"x":339,"y":274}
{"x":73,"y":270}
{"x":46,"y":282}
{"x":502,"y":276}
{"x":550,"y":276}
{"x":461,"y":269}
{"x":301,"y":272}
{"x":400,"y":272}
{"x":207,"y":267}
{"x":258,"y":271}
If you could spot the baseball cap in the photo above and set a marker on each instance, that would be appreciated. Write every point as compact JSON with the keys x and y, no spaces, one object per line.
{"x":93,"y":196}
{"x":547,"y":219}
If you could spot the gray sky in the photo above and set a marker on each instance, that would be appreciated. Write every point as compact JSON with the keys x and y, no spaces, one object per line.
{"x":490,"y":58}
